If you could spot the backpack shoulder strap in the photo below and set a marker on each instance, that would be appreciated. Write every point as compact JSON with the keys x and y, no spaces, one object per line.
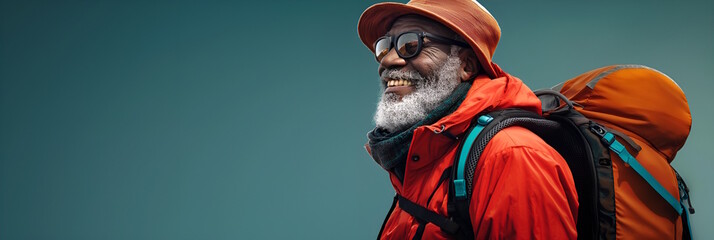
{"x":482,"y":130}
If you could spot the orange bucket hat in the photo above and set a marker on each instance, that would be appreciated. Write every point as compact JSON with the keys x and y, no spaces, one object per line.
{"x":465,"y":17}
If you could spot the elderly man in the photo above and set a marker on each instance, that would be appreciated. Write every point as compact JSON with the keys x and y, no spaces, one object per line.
{"x":436,"y":71}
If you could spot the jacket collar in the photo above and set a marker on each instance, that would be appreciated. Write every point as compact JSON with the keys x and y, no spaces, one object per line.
{"x":487,"y":95}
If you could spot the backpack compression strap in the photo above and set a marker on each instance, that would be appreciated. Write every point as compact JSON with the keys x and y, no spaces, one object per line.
{"x":684,"y":195}
{"x":608,"y":139}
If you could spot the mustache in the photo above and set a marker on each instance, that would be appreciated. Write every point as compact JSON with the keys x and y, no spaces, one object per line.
{"x":410,"y":75}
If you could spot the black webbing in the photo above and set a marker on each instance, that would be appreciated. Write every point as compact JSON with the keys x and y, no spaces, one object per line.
{"x":422,"y":222}
{"x":444,"y":175}
{"x":459,"y":212}
{"x":423,"y":214}
{"x":420,"y":231}
{"x":391,"y":209}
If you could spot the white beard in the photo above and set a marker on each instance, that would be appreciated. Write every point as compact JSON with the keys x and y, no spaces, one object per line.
{"x":394,"y":115}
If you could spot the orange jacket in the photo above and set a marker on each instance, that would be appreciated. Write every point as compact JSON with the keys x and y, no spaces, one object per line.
{"x":523,"y":189}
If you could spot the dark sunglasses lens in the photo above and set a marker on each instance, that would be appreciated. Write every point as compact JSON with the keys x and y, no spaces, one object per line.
{"x":381,"y":48}
{"x":408,"y":45}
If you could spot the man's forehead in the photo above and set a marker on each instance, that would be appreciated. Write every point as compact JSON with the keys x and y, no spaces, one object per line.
{"x":416,"y":22}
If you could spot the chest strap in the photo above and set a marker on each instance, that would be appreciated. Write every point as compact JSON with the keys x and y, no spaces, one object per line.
{"x":424,"y":215}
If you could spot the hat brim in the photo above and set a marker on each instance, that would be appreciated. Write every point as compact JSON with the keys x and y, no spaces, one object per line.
{"x":377,"y":19}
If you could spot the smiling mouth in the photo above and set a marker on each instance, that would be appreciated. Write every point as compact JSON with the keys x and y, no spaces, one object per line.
{"x":400,"y":87}
{"x":398,"y":82}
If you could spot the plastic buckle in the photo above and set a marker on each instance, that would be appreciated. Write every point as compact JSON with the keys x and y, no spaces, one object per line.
{"x":606,"y":137}
{"x":460,"y":188}
{"x":484,"y":120}
{"x":597,"y":129}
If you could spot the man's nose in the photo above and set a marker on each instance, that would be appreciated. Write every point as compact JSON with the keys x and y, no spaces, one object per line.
{"x":391,"y":60}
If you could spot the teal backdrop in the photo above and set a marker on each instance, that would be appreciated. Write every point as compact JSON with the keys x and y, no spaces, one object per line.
{"x":235,"y":120}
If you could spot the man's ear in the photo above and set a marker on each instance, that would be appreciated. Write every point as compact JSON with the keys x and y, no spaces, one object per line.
{"x":469,"y":65}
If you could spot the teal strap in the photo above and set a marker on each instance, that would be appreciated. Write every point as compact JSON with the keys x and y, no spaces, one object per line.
{"x":459,"y":182}
{"x":621,"y":151}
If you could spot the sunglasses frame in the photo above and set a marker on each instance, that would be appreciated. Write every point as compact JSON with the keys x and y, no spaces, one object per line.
{"x":420,"y":43}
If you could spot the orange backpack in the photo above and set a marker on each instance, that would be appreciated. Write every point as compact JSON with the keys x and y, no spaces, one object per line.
{"x":619,"y":128}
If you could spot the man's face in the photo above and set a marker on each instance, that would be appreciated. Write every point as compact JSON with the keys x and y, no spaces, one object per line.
{"x":431,"y":57}
{"x":414,"y":87}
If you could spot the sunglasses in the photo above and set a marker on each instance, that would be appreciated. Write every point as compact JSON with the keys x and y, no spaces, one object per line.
{"x":409,"y":44}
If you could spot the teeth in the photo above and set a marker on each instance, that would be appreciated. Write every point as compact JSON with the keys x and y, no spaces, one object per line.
{"x":392,"y":83}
